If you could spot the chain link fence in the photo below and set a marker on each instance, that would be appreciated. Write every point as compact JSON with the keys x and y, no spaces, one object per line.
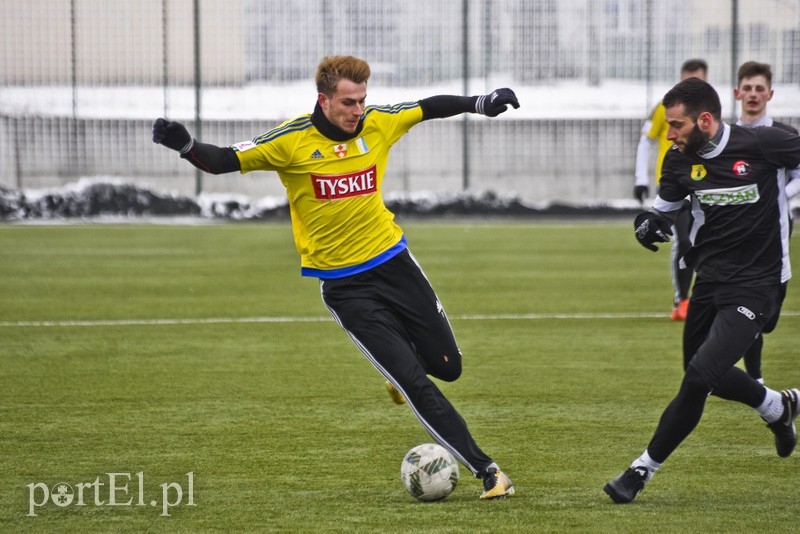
{"x":82,"y":80}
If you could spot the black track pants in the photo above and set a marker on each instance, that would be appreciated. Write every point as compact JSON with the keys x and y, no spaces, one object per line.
{"x":722,"y":322}
{"x":393,"y":316}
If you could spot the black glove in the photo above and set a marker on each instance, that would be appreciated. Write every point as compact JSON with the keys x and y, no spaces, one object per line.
{"x":172,"y":135}
{"x":640,"y":192}
{"x":496,"y":102}
{"x":651,"y":228}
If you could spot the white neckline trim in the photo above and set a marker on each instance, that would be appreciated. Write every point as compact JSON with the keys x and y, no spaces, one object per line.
{"x":726,"y":135}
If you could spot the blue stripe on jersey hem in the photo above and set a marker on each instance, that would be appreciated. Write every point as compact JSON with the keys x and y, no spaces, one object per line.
{"x":360,"y":268}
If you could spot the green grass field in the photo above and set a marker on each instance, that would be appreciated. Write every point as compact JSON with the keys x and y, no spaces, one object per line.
{"x":148,"y":350}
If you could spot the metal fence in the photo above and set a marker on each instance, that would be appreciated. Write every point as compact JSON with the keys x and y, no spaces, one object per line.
{"x":82,"y":80}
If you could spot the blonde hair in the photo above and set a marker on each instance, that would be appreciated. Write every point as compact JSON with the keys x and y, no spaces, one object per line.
{"x":333,"y":68}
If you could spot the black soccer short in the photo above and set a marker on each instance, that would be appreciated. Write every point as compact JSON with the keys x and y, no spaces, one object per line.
{"x":394,"y":317}
{"x":722,"y":322}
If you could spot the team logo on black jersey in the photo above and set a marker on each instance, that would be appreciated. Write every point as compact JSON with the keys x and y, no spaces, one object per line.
{"x":741,"y":168}
{"x":698,"y":172}
{"x":732,"y":196}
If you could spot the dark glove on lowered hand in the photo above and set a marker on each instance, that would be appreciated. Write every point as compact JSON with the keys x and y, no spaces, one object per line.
{"x":640,"y":192}
{"x":172,"y":135}
{"x":496,"y":102}
{"x":651,"y":228}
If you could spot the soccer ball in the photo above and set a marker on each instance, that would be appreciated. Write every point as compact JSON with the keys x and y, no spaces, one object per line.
{"x":429,"y":472}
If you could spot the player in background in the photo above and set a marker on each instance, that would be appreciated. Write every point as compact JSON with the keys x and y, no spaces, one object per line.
{"x":741,"y":257}
{"x":655,"y":131}
{"x":754,"y":91}
{"x":332,"y":164}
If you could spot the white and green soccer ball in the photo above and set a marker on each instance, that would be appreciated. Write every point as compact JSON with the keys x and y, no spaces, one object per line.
{"x":429,"y":472}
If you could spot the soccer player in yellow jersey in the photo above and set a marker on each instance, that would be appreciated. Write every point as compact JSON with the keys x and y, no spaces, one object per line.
{"x":332,"y":163}
{"x":655,"y":131}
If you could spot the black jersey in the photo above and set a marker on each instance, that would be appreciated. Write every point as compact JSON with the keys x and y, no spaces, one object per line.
{"x":783,"y":126}
{"x":739,"y":189}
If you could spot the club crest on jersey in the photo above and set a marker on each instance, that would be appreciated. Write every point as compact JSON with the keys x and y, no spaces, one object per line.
{"x":339,"y":186}
{"x":698,"y":172}
{"x":741,"y":168}
{"x":340,"y":150}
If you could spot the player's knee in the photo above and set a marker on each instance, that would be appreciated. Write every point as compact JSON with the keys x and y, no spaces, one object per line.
{"x":445,"y":367}
{"x":693,"y":384}
{"x":449,"y":369}
{"x":448,"y":373}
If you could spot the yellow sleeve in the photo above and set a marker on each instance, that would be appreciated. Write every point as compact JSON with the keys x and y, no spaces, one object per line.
{"x":395,"y":121}
{"x":658,"y":123}
{"x":262,"y":155}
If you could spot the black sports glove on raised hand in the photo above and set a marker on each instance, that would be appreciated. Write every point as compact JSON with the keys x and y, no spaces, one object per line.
{"x":172,"y":135}
{"x":651,"y":228}
{"x":640,"y":192}
{"x":496,"y":102}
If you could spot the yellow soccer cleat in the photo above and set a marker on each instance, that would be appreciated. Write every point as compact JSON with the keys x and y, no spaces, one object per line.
{"x":496,"y":485}
{"x":394,"y":394}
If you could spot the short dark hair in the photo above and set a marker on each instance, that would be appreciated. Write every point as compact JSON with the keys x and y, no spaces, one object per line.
{"x":748,"y":69}
{"x":691,"y":65}
{"x":697,"y":96}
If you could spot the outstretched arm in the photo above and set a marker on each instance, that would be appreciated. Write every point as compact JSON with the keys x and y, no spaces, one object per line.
{"x":491,"y":105}
{"x":204,"y":156}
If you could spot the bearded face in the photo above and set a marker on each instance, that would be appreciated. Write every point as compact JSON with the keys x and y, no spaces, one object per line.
{"x":696,"y":140}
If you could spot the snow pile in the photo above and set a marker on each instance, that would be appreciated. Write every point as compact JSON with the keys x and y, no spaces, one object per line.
{"x":92,"y":198}
{"x":116,"y":198}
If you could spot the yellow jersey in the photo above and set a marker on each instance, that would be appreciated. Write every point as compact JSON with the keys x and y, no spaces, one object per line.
{"x":340,"y":223}
{"x":658,"y":131}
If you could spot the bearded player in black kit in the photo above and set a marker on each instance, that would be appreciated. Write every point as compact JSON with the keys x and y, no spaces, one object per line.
{"x":736,"y":180}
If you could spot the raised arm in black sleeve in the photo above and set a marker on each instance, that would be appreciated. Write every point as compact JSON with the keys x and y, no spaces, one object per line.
{"x":442,"y":106}
{"x":206,"y":157}
{"x":491,"y":105}
{"x":212,"y":159}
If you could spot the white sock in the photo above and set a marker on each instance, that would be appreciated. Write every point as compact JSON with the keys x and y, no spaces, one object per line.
{"x":648,"y":463}
{"x":772,"y":408}
{"x":485,"y":469}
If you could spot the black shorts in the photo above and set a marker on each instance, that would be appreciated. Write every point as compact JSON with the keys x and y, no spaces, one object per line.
{"x":722,"y":322}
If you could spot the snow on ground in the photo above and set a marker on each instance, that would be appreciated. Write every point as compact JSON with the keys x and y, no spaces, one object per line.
{"x":117,"y":200}
{"x":93,"y":197}
{"x":554,"y":100}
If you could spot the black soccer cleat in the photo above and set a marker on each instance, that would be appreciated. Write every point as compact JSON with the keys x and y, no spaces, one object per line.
{"x":784,"y":428}
{"x":628,"y":485}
